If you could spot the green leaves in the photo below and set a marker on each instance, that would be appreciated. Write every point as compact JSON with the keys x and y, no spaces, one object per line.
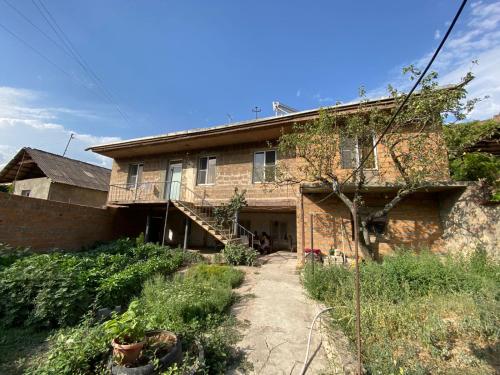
{"x":239,"y":254}
{"x":57,"y":289}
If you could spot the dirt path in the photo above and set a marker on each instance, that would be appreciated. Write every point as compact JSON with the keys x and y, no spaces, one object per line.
{"x":278,"y":316}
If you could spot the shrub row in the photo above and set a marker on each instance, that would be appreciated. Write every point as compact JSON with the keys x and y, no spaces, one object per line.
{"x":57,"y":289}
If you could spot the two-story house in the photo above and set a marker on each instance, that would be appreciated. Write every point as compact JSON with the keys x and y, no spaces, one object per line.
{"x":174,"y":181}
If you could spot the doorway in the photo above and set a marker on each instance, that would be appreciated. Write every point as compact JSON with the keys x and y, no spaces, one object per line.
{"x":173,"y":183}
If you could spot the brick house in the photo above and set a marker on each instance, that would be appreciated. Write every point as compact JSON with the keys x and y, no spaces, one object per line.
{"x":44,"y":175}
{"x":174,"y":181}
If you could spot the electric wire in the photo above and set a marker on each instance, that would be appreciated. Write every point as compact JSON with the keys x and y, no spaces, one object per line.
{"x":402,"y":105}
{"x":71,"y":49}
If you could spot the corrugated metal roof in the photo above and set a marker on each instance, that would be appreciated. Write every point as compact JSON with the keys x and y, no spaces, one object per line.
{"x":31,"y":163}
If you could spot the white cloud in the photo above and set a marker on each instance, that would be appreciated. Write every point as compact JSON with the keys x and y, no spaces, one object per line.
{"x":476,"y":37}
{"x":323,"y":99}
{"x":437,"y":34}
{"x":298,"y":93}
{"x":23,"y":122}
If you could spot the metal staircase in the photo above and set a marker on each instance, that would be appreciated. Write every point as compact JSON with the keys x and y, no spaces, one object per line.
{"x":202,"y":212}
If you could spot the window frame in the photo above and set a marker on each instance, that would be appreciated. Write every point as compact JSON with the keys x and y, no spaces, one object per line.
{"x":357,"y":159}
{"x":207,"y":170}
{"x":25,"y":192}
{"x":264,"y":175}
{"x":137,"y":182}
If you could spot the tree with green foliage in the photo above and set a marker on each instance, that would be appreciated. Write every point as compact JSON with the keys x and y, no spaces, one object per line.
{"x":6,"y":188}
{"x":332,"y":146}
{"x":474,"y":166}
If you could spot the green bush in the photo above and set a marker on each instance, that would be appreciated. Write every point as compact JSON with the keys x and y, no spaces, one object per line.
{"x":80,"y":350}
{"x":475,"y":166}
{"x":420,"y":313}
{"x":239,"y":254}
{"x":117,"y":288}
{"x":193,"y":307}
{"x":215,"y":273}
{"x":56,"y":289}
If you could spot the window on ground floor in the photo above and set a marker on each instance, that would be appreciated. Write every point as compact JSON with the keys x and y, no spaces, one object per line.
{"x":25,"y":193}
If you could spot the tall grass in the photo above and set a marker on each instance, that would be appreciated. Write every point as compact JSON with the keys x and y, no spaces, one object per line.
{"x":421,"y":313}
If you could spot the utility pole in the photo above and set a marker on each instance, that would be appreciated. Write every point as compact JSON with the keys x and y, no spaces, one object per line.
{"x":69,"y":140}
{"x":256,"y":110}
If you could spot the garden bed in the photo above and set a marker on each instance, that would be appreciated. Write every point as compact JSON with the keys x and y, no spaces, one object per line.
{"x":48,"y":316}
{"x":420,"y":313}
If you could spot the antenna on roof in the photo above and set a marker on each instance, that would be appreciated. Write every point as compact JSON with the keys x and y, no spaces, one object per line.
{"x":67,"y":144}
{"x":256,"y":110}
{"x":281,"y":109}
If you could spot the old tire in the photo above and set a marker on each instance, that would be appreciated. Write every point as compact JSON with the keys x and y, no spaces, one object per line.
{"x":173,"y":356}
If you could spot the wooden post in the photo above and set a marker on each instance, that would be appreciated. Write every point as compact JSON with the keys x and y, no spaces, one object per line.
{"x":312,"y":241}
{"x":165,"y":224}
{"x":148,"y":227}
{"x":236,"y":220}
{"x":357,"y":284}
{"x":186,"y":230}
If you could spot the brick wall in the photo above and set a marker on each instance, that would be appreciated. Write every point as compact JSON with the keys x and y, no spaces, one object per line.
{"x":414,"y":222}
{"x":235,"y":167}
{"x":43,"y":225}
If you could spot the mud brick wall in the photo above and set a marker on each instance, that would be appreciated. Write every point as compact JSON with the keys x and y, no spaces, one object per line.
{"x":45,"y":225}
{"x":414,"y":222}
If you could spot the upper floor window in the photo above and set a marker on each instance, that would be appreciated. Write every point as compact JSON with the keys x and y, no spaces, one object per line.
{"x":264,"y":166}
{"x":206,"y":170}
{"x":25,"y":193}
{"x":134,"y":177}
{"x":352,"y":152}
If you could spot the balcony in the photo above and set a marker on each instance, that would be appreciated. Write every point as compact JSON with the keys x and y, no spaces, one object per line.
{"x":150,"y":192}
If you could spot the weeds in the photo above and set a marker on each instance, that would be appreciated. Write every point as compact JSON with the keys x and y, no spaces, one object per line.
{"x":420,"y":313}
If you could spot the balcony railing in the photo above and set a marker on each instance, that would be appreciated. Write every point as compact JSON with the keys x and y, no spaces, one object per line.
{"x":151,"y":192}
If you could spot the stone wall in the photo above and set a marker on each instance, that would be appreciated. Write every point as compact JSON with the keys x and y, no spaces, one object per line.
{"x":44,"y":225}
{"x":468,"y":224}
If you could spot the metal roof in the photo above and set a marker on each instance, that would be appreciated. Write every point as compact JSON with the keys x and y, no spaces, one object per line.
{"x":32,"y":163}
{"x":264,"y":120}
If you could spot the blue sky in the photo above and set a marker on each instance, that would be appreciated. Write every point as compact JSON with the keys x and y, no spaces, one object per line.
{"x":173,"y":65}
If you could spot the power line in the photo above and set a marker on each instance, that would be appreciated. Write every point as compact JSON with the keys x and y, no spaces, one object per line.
{"x":66,"y":41}
{"x":36,"y":27}
{"x":43,"y":56}
{"x":386,"y":129}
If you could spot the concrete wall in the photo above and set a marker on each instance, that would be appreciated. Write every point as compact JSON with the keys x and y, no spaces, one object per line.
{"x":44,"y":225}
{"x":415,"y":222}
{"x":77,"y":195}
{"x":39,"y":187}
{"x":468,"y":224}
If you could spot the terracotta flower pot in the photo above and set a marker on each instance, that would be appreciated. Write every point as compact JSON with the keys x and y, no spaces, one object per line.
{"x":126,"y":353}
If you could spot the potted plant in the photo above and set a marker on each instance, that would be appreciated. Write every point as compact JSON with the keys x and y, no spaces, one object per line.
{"x":128,"y":332}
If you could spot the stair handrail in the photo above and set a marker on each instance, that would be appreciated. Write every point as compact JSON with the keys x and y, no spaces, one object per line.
{"x":245,"y":232}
